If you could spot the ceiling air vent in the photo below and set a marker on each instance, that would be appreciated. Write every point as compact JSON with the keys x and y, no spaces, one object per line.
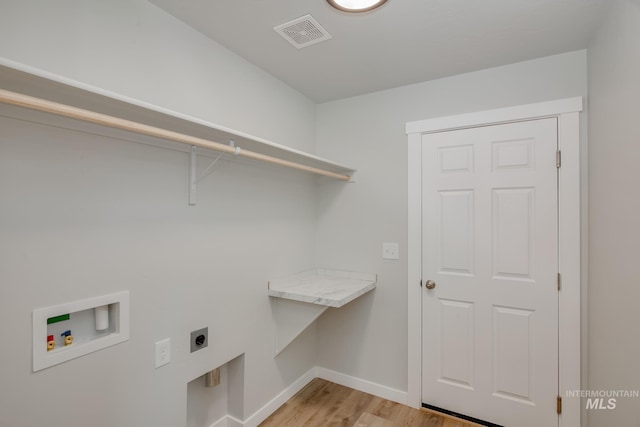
{"x":302,"y":32}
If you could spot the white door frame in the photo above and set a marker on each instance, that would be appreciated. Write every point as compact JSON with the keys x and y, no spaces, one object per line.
{"x":567,"y":112}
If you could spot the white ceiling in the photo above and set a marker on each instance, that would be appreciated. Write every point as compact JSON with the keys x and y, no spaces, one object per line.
{"x":403,"y":42}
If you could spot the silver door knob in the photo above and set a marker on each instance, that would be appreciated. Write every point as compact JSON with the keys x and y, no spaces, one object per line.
{"x":430,"y":284}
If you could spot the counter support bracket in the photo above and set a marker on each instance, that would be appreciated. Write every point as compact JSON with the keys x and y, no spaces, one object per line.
{"x":299,"y":300}
{"x":292,"y":318}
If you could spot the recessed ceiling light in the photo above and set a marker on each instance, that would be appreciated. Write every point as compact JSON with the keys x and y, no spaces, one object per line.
{"x":356,"y":5}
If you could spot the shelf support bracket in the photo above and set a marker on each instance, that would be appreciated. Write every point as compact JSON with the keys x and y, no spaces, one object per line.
{"x":193,"y":175}
{"x":193,"y":170}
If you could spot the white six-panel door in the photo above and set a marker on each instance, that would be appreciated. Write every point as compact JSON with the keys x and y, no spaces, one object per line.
{"x":490,"y":244}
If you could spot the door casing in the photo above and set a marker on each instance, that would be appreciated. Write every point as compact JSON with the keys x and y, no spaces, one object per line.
{"x":567,"y":112}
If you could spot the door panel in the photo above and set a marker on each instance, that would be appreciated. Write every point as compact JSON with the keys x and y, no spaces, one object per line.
{"x":513,"y":348}
{"x":456,"y":232}
{"x":457,"y":350}
{"x":513,"y":217}
{"x":490,"y":326}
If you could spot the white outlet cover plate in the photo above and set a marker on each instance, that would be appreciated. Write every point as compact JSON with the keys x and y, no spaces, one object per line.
{"x":390,"y":251}
{"x":163,"y":352}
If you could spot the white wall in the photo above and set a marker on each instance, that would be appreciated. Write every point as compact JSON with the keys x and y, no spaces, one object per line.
{"x":354,"y":220}
{"x":614,"y":146}
{"x":94,"y":215}
{"x":133,"y":48}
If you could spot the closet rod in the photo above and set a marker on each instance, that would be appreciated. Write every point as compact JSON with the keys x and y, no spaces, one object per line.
{"x":33,"y":103}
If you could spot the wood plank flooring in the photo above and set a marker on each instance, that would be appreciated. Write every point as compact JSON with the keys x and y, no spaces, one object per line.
{"x":325,"y":404}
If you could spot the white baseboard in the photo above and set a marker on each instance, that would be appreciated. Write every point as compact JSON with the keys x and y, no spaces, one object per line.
{"x":222,"y":422}
{"x":261,"y":414}
{"x":362,"y":385}
{"x":316,"y":372}
{"x":233,"y":422}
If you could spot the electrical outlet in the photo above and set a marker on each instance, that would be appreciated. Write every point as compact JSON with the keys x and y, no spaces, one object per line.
{"x":199,"y":339}
{"x":163,"y":352}
{"x":390,"y":251}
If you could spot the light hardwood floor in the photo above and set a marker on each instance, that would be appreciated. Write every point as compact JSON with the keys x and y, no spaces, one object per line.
{"x":325,"y":404}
